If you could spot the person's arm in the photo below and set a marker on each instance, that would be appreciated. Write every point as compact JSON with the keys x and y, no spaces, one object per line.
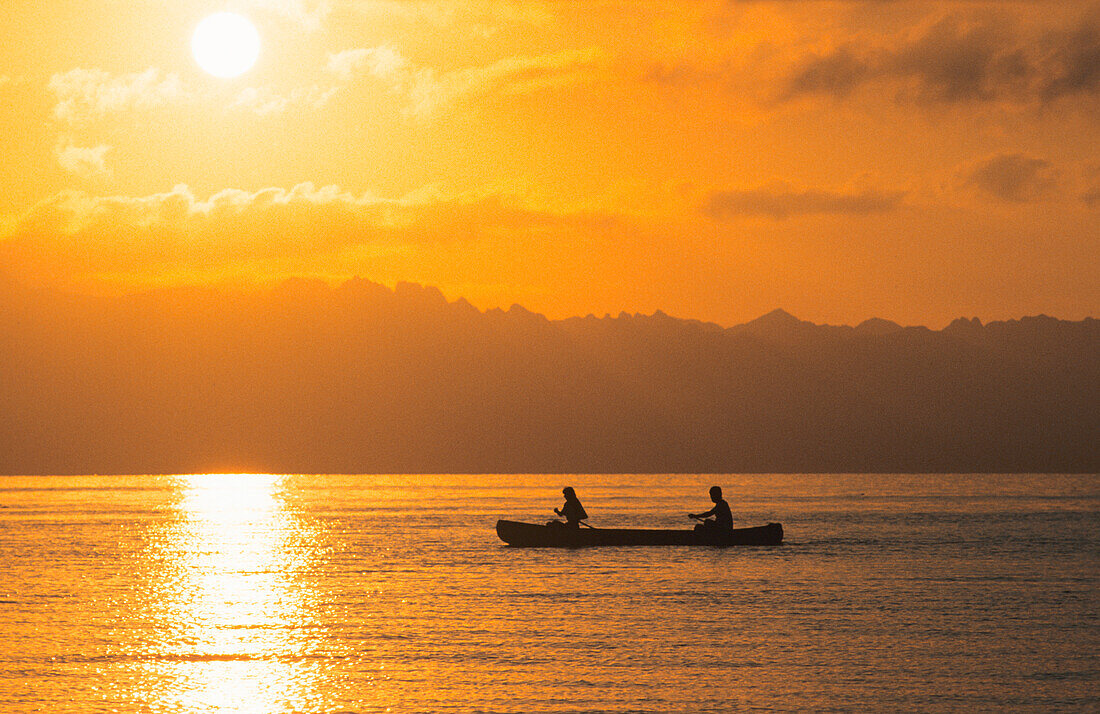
{"x":703,"y":515}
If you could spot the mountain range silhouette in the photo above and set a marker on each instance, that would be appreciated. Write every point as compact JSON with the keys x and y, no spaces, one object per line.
{"x":359,"y":378}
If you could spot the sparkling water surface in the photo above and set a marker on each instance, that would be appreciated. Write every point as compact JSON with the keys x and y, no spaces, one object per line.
{"x":307,"y":593}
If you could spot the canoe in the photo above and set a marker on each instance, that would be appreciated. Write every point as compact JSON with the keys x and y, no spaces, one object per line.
{"x":532,"y":535}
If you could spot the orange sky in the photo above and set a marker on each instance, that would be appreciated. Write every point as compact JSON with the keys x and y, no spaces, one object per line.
{"x":916,"y":161}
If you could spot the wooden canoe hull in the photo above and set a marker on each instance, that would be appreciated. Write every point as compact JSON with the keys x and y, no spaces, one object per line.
{"x":531,"y":535}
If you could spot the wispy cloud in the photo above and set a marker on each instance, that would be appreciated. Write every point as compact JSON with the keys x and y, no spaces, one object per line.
{"x":1016,"y":178}
{"x":306,"y":14}
{"x":263,"y":101}
{"x":84,"y":161}
{"x":86,"y":97}
{"x":476,"y":16}
{"x":384,"y":62}
{"x":77,"y":236}
{"x":427,"y":89}
{"x":961,"y":58}
{"x":780,"y":200}
{"x":1091,"y":195}
{"x":87,"y":94}
{"x":956,"y":54}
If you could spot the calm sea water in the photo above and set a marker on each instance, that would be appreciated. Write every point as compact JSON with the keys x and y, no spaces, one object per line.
{"x":254,"y":593}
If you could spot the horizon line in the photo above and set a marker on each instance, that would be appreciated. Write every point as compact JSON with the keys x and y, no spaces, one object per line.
{"x":334,"y":284}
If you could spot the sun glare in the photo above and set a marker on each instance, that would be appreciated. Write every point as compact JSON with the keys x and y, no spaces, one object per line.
{"x":225,"y":44}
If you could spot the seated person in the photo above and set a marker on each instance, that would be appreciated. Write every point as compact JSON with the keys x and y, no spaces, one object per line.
{"x":572,"y":511}
{"x":723,"y":519}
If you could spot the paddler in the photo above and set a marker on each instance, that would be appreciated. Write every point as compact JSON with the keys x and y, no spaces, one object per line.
{"x":572,"y":511}
{"x":723,"y":519}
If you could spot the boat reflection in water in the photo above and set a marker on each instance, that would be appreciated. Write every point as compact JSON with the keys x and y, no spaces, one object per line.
{"x":232,"y":617}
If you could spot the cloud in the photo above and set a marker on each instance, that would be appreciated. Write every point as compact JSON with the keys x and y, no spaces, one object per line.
{"x":84,"y":95}
{"x":1091,"y":196}
{"x":87,"y":94}
{"x":427,"y":89}
{"x":171,"y":227}
{"x":263,"y":101}
{"x":76,"y":236}
{"x":1074,"y":56}
{"x":8,"y":82}
{"x":959,"y":61}
{"x":836,"y":73}
{"x":781,"y":201}
{"x":960,"y":58}
{"x":511,"y":75}
{"x":305,"y":14}
{"x":518,"y":75}
{"x":479,"y":18}
{"x":383,"y":62}
{"x":84,"y":161}
{"x":1015,"y":178}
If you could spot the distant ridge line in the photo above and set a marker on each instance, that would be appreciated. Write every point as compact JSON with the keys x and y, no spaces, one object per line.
{"x":360,"y":378}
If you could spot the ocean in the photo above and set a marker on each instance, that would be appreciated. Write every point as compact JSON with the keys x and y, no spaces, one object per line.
{"x":332,"y":593}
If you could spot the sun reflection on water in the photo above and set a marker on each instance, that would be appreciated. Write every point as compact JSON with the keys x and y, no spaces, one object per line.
{"x":238,"y":618}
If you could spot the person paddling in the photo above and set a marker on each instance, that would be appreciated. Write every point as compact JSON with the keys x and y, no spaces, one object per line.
{"x":723,"y":519}
{"x":572,"y":511}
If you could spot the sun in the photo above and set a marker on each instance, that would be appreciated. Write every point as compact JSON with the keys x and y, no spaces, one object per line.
{"x":225,"y":44}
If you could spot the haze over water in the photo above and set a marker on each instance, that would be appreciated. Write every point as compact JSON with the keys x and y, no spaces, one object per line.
{"x":257,"y":593}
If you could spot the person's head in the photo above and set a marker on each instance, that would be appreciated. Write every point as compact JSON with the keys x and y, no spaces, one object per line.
{"x":716,"y":493}
{"x":569,"y":493}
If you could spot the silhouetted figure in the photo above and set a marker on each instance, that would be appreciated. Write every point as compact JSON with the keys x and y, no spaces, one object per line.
{"x":572,"y":511}
{"x":723,"y":519}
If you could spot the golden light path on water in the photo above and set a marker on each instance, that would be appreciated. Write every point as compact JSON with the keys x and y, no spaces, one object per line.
{"x":372,"y":593}
{"x":229,"y":598}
